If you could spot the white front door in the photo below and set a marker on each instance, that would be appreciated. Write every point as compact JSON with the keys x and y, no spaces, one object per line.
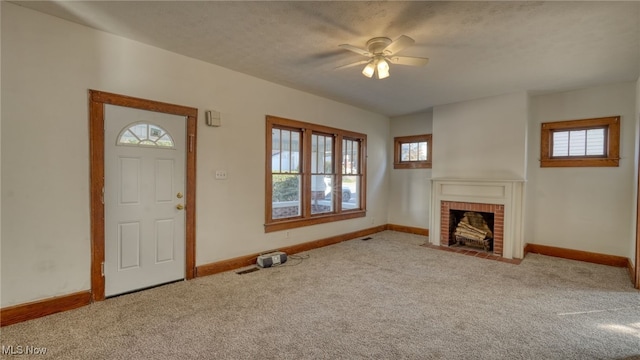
{"x":143,"y":199}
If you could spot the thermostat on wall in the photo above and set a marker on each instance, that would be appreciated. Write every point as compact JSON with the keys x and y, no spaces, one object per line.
{"x":212,"y":118}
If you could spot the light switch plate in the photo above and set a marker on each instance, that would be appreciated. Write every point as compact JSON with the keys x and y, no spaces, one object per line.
{"x":221,"y":174}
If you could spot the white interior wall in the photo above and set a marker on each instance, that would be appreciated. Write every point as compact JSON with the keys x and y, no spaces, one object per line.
{"x":49,"y":64}
{"x":409,"y":189}
{"x":481,"y":139}
{"x":582,"y":208}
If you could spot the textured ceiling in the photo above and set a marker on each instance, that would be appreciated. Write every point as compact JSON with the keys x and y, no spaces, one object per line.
{"x":476,"y":49}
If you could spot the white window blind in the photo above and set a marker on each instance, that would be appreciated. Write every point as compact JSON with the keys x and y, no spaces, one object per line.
{"x":586,"y":142}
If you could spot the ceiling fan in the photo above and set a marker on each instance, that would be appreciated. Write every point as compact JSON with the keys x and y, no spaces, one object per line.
{"x":381,"y":51}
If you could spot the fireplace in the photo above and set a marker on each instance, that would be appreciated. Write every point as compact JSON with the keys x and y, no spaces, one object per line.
{"x":500,"y":202}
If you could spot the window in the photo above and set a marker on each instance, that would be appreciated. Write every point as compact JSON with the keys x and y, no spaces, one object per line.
{"x":145,"y":134}
{"x":580,"y":143}
{"x":314,"y":174}
{"x":412,"y":152}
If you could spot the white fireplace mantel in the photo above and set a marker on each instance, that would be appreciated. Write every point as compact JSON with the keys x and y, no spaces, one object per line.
{"x":507,"y":192}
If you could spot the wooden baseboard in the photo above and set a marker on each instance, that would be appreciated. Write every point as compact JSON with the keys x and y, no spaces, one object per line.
{"x":247,"y":260}
{"x":603,"y":259}
{"x":33,"y":310}
{"x":408,"y":229}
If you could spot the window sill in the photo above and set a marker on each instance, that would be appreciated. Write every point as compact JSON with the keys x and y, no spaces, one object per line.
{"x":320,"y":219}
{"x":412,"y":165}
{"x":580,"y":162}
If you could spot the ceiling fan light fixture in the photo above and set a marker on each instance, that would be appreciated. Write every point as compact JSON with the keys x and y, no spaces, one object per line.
{"x":380,"y":52}
{"x":383,"y":69}
{"x":369,"y":69}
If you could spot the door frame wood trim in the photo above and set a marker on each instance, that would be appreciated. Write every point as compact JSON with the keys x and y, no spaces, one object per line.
{"x":97,"y":101}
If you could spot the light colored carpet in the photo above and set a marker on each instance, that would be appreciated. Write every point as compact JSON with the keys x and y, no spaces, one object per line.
{"x":386,"y":298}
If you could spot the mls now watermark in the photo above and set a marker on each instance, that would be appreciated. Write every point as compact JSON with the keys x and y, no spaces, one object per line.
{"x":23,"y":350}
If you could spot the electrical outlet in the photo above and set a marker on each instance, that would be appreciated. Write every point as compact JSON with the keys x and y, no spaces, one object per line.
{"x":221,"y":174}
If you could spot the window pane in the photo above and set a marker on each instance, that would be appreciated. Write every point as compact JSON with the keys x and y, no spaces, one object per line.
{"x":285,"y":151}
{"x":128,"y":138}
{"x":145,"y":134}
{"x":595,"y":142}
{"x":321,"y":199}
{"x":350,"y":156}
{"x":285,"y":196}
{"x":422,"y":151}
{"x":294,"y":154}
{"x":404,"y":152}
{"x":328,"y":156}
{"x":321,"y":154}
{"x":165,"y":141}
{"x":413,"y":152}
{"x":140,"y":130}
{"x":577,"y":142}
{"x":155,"y":133}
{"x":276,"y":150}
{"x":560,"y":143}
{"x":350,"y":192}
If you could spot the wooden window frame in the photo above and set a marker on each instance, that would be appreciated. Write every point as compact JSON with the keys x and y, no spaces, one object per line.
{"x":397,"y":154}
{"x":611,"y":158}
{"x":306,"y":218}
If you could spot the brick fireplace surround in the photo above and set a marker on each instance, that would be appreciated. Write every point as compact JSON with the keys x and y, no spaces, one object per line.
{"x":498,"y":220}
{"x":503,"y":198}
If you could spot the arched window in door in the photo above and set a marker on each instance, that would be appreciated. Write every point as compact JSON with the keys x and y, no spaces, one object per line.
{"x":145,"y":134}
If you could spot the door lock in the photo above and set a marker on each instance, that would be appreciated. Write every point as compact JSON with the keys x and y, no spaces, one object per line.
{"x":179,"y":195}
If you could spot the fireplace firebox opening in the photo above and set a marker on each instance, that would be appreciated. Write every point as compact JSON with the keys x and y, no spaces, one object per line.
{"x":472,"y":229}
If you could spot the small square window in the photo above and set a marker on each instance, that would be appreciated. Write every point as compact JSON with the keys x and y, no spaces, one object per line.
{"x":580,"y":143}
{"x":412,"y":152}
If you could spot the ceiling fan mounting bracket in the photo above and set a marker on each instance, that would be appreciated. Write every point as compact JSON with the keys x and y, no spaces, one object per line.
{"x":377,"y":45}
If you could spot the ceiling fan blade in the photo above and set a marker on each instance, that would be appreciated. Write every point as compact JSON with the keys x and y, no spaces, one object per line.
{"x":399,"y":44}
{"x":408,"y":60}
{"x":353,"y":64}
{"x":356,"y":50}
